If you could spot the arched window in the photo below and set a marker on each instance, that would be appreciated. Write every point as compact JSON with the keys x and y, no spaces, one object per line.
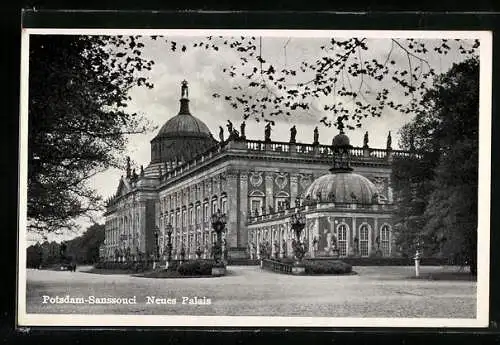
{"x":385,"y":234}
{"x":342,"y":239}
{"x":363,"y":240}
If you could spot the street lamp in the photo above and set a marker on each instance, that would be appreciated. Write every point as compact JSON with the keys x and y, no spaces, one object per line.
{"x":218,"y":225}
{"x":298,"y":223}
{"x":169,"y":229}
{"x":157,"y":244}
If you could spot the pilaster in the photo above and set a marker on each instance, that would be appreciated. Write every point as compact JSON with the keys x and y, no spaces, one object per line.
{"x":268,"y":191}
{"x":232,"y":212}
{"x":242,"y":197}
{"x":294,"y":188}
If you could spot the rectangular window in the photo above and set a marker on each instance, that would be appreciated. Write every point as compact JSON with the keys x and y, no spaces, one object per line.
{"x":281,"y":204}
{"x":198,"y":214}
{"x":207,"y":215}
{"x":385,"y":238}
{"x":224,"y":206}
{"x":342,"y":239}
{"x":214,"y":206}
{"x":191,"y":216}
{"x":184,"y":218}
{"x":363,"y":240}
{"x":255,"y":207}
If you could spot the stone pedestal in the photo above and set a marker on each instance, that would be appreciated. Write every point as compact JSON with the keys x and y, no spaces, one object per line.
{"x":417,"y":267}
{"x":366,"y":152}
{"x":218,"y":271}
{"x":298,"y":269}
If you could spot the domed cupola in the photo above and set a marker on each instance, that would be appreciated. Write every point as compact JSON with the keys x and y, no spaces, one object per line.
{"x":182,"y":137}
{"x":341,"y":185}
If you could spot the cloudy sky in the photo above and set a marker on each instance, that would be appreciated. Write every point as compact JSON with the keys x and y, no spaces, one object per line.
{"x":203,"y":71}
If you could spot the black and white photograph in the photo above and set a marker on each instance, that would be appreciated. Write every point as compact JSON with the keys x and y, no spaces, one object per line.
{"x":245,"y":178}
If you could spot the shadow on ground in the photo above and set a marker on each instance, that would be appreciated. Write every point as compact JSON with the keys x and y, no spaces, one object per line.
{"x":447,"y":276}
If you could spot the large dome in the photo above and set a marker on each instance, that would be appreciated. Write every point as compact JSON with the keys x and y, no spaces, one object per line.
{"x":182,"y":137}
{"x":183,"y":125}
{"x":342,"y":187}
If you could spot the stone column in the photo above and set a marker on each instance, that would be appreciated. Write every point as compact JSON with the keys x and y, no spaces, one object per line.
{"x":389,"y":190}
{"x":294,"y":189}
{"x":188,"y":242}
{"x":289,"y":237}
{"x":315,"y":233}
{"x":242,"y":238}
{"x":269,"y":191}
{"x":232,"y":221}
{"x":370,"y":240}
{"x":355,"y":249}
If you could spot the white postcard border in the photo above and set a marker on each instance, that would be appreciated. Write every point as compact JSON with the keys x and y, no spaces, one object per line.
{"x":482,"y":315}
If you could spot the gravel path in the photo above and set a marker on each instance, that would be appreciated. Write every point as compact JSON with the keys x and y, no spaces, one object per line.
{"x":247,"y":290}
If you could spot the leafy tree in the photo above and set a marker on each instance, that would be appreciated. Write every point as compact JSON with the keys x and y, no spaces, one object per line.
{"x":347,"y":79}
{"x":78,"y":121}
{"x":451,"y":215}
{"x":83,"y":249}
{"x":412,"y":183}
{"x":446,"y":179}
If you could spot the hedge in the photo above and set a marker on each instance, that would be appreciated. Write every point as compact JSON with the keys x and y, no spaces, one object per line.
{"x":196,"y":268}
{"x":327,"y":267}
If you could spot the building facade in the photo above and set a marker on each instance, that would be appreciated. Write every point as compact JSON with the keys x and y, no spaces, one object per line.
{"x":256,"y":183}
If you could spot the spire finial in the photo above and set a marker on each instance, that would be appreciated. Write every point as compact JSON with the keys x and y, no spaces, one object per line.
{"x":184,"y":89}
{"x":184,"y":98}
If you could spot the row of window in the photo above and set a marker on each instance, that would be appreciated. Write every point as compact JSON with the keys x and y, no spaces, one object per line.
{"x":257,"y":205}
{"x":180,"y":218}
{"x":195,"y":192}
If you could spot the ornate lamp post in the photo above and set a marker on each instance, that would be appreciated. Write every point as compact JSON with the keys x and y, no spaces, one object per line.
{"x":157,"y":246}
{"x":298,"y":223}
{"x":169,"y":229}
{"x":218,"y":226}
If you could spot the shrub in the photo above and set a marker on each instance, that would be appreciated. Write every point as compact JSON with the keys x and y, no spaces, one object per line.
{"x":174,"y":265}
{"x":327,"y":267}
{"x":196,"y":267}
{"x":287,"y":260}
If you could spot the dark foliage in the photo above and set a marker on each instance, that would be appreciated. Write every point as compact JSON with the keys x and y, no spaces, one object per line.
{"x":78,"y":121}
{"x":196,"y":267}
{"x":327,"y":267}
{"x":438,"y":194}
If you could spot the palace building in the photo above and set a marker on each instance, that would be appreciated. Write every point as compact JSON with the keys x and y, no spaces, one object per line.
{"x":343,"y":191}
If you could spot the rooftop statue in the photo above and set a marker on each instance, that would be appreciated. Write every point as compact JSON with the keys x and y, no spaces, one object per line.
{"x":221,"y":134}
{"x":293,"y":133}
{"x":242,"y":130}
{"x":267,"y":132}
{"x":365,"y":140}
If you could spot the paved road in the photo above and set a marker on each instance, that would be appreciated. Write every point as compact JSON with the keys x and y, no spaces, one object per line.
{"x":374,"y":292}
